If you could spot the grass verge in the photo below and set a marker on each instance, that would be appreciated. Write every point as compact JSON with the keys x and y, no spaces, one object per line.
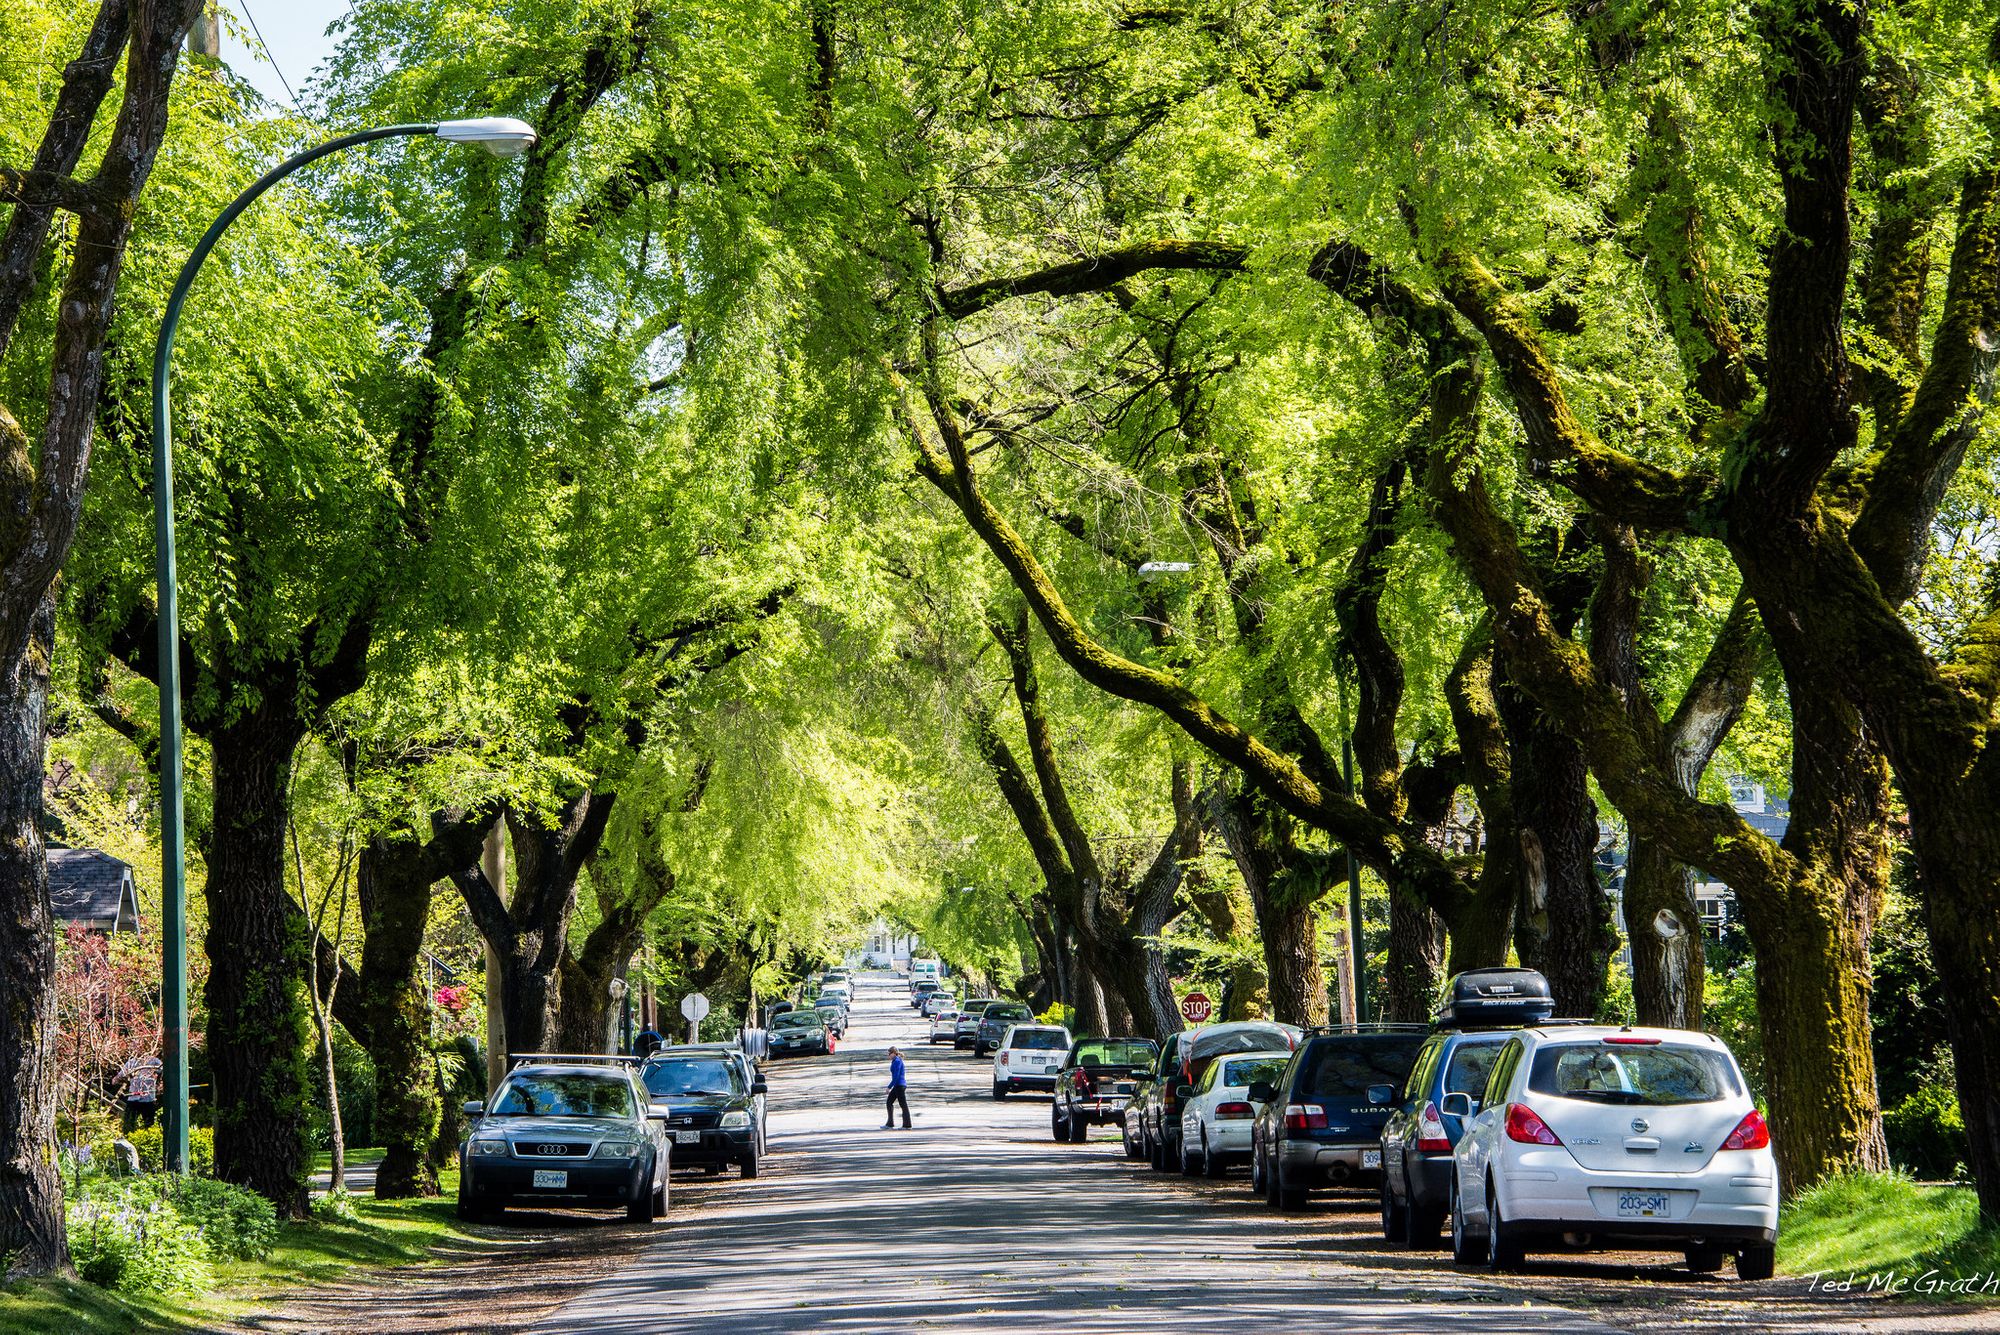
{"x":1891,"y":1231}
{"x":381,"y":1233}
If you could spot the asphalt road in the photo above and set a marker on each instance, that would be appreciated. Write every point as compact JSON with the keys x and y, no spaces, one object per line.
{"x":978,"y":1219}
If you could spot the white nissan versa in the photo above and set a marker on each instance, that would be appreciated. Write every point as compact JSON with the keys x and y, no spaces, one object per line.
{"x":1591,"y":1136}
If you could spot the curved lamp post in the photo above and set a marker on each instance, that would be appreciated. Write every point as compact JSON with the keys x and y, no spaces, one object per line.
{"x":501,"y":136}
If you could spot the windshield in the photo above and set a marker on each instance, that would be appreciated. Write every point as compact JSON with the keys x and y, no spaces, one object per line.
{"x":1470,"y":1066}
{"x":569,"y":1095}
{"x":1345,"y":1067}
{"x":1621,"y":1073}
{"x":1244,"y":1073}
{"x":1116,"y":1052}
{"x":666,"y":1079}
{"x":1041,"y":1040}
{"x":798,"y":1020}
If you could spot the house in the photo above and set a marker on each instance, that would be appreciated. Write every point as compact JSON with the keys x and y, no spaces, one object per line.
{"x":1717,"y":902}
{"x":94,"y":889}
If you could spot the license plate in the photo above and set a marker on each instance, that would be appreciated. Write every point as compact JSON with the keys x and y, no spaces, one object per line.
{"x":1371,"y":1158}
{"x":1643,"y":1205}
{"x":687,"y":1137}
{"x":551,"y":1177}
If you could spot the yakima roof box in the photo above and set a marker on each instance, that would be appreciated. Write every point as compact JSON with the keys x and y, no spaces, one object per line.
{"x":1496,"y":998}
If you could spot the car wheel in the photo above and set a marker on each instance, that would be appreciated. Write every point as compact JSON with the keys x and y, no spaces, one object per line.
{"x":1256,"y":1169}
{"x":1395,"y":1218}
{"x":1125,"y":1140}
{"x":1157,"y":1155}
{"x":1271,"y":1182}
{"x":1212,"y":1164}
{"x":1290,"y":1196}
{"x":660,"y":1198}
{"x":640,"y":1208}
{"x":999,"y":1091}
{"x":1503,"y":1250}
{"x":1079,"y":1130}
{"x":1463,"y":1250}
{"x":1757,"y":1262}
{"x":467,"y":1210}
{"x":1423,"y":1224}
{"x":1058,"y":1125}
{"x":747,"y":1166}
{"x":1704,"y":1260}
{"x":1190,"y":1167}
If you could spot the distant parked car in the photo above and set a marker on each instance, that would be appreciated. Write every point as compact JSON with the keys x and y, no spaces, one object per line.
{"x":937,"y":1001}
{"x":1095,"y":1083}
{"x":1321,"y":1124}
{"x":1483,"y":1007}
{"x":967,"y":1027}
{"x":1028,"y":1057}
{"x":1605,"y":1137}
{"x":943,"y":1026}
{"x":1216,"y":1122}
{"x":923,"y":990}
{"x":993,"y":1023}
{"x":711,"y":1109}
{"x":1183,"y":1062}
{"x":834,"y":1014}
{"x":565,"y":1134}
{"x":798,"y":1033}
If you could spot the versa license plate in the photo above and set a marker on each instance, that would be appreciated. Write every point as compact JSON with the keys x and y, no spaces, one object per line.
{"x":551,"y":1177}
{"x":687,"y":1137}
{"x":1642,"y":1205}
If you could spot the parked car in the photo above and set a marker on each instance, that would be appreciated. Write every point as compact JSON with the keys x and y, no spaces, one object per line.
{"x":568,"y":1134}
{"x":1095,"y":1083}
{"x":1600,"y":1137}
{"x":967,"y":1028}
{"x":1216,"y":1121}
{"x":840,"y":992}
{"x":1321,"y":1124}
{"x":1150,"y":1090}
{"x":834,"y":1014}
{"x":944,"y":1025}
{"x":746,"y":1066}
{"x":711,"y":1109}
{"x":796,"y":1033}
{"x":993,"y":1023}
{"x":1483,"y":1007}
{"x":923,"y":990}
{"x":1191,"y":1054}
{"x":937,"y":1001}
{"x":777,"y":1008}
{"x":1028,"y":1057}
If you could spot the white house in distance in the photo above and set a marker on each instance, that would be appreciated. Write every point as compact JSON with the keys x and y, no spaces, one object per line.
{"x":887,"y":948}
{"x":1717,"y":902}
{"x":92,"y":888}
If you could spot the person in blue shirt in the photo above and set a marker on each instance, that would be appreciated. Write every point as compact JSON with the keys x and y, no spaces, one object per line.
{"x":898,"y":1090}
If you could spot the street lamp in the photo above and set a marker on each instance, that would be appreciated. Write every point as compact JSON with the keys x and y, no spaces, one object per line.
{"x":502,"y":136}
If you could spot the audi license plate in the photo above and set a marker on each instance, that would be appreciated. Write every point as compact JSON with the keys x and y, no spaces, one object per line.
{"x":1371,"y":1158}
{"x":1643,"y":1205}
{"x":687,"y":1137}
{"x":551,"y":1177}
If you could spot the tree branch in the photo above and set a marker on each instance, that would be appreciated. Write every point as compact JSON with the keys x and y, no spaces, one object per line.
{"x":1097,"y":274}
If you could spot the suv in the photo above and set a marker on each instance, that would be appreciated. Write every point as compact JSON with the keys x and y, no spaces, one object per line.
{"x":1485,"y":1006}
{"x":966,"y":1029}
{"x":568,"y":1132}
{"x":994,"y":1022}
{"x":1094,"y":1083}
{"x":711,"y":1111}
{"x":1598,"y":1137}
{"x":799,"y":1031}
{"x":922,"y":990}
{"x":1321,"y":1123}
{"x":1027,"y":1058}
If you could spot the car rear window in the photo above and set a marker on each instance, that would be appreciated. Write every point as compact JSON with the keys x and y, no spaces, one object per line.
{"x":1116,"y":1052}
{"x":1632,"y":1073}
{"x":1040,"y":1040}
{"x":1346,"y":1066}
{"x":1241,"y":1074}
{"x":1470,"y":1066}
{"x":563,"y":1096}
{"x":798,"y":1020}
{"x":692,"y":1077}
{"x":1011,"y":1010}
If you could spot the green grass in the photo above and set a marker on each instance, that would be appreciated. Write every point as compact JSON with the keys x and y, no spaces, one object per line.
{"x":383,"y":1233}
{"x":1875,"y":1224}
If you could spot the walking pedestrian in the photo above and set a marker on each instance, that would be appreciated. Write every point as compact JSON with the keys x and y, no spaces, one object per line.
{"x":898,"y":1091}
{"x":141,"y":1079}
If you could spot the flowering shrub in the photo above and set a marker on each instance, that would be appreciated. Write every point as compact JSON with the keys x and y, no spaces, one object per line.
{"x":159,"y":1234}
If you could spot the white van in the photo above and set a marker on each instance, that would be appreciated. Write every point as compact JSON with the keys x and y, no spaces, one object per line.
{"x":922,"y":969}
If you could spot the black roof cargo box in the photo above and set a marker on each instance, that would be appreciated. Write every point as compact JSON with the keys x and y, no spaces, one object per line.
{"x":1496,"y":999}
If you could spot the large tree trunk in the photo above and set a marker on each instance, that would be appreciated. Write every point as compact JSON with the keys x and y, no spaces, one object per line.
{"x":395,"y":884}
{"x":257,"y":1011}
{"x":1092,"y":1013}
{"x":1663,"y":924}
{"x":1272,"y":872}
{"x":31,"y":1213}
{"x":1416,"y":959}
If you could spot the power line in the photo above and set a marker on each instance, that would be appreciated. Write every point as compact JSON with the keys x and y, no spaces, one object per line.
{"x":244,"y":5}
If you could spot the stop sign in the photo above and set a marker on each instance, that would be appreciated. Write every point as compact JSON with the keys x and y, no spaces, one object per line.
{"x":1196,"y":1008}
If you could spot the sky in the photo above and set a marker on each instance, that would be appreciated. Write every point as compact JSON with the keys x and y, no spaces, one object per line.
{"x":295,"y":33}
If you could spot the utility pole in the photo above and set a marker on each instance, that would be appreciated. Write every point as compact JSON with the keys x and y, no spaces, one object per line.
{"x":1357,"y":952}
{"x":493,"y":862}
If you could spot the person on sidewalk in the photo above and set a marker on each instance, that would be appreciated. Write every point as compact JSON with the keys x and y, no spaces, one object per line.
{"x":898,"y":1091}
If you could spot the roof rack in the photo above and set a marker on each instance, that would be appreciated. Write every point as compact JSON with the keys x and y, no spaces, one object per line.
{"x":581,"y":1058}
{"x":1370,"y":1027}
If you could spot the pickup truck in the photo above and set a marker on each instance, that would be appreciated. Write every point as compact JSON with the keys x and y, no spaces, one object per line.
{"x":1094,"y":1083}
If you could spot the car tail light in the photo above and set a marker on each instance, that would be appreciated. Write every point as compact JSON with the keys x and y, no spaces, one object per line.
{"x":1431,"y":1138}
{"x":1305,"y":1117}
{"x":1631,"y":1038}
{"x":1752,"y":1133}
{"x":1225,"y":1111}
{"x":1525,"y":1126}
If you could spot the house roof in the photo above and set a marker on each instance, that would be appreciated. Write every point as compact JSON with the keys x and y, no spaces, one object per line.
{"x":89,"y":886}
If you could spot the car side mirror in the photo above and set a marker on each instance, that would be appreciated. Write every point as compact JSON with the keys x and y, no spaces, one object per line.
{"x":1183,"y":1091}
{"x":659,"y":1112}
{"x":759,"y":1086}
{"x":1458,"y":1105}
{"x":1380,"y":1095}
{"x":1263,"y":1091}
{"x":474,"y":1108}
